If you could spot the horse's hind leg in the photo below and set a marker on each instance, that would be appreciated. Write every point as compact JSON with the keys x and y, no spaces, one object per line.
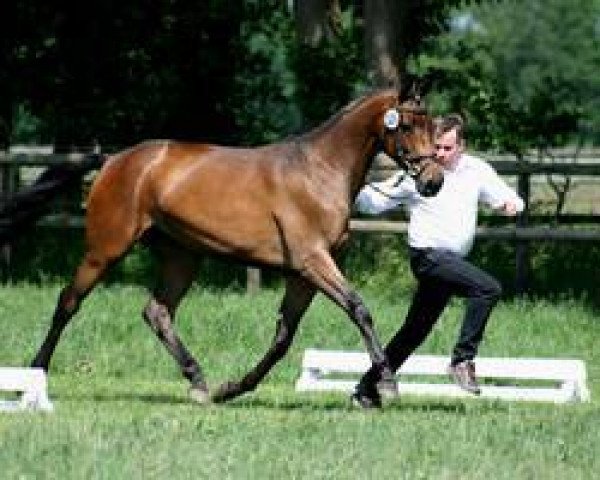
{"x":177,"y":271}
{"x":87,"y":275}
{"x":298,"y":295}
{"x":108,"y":238}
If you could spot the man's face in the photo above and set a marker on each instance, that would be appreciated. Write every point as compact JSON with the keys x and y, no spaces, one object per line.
{"x":448,"y":148}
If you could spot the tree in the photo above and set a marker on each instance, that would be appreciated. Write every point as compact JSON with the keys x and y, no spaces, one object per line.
{"x":532,"y":86}
{"x":385,"y":50}
{"x":317,"y":20}
{"x":79,"y":73}
{"x":394,"y":30}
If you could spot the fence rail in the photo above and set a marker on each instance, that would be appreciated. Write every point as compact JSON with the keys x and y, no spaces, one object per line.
{"x":13,"y":164}
{"x":489,"y":233}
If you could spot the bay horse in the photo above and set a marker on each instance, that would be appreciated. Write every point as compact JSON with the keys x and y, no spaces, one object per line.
{"x":285,"y":205}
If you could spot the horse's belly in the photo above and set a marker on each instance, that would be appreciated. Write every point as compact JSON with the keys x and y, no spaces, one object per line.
{"x":231,"y":211}
{"x":248,"y":237}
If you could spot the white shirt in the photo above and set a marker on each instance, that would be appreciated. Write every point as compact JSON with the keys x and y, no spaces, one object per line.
{"x":447,"y":220}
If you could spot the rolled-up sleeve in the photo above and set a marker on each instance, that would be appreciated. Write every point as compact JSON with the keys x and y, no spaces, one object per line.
{"x":495,"y":192}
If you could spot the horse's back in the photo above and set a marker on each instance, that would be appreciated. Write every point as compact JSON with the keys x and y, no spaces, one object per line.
{"x":157,"y":170}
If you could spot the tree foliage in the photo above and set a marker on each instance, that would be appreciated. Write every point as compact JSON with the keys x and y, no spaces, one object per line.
{"x":113,"y":72}
{"x":525,"y":75}
{"x":284,"y":85}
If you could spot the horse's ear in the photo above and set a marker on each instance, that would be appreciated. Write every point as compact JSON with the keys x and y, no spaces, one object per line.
{"x":416,"y":87}
{"x":393,"y":83}
{"x":407,"y":86}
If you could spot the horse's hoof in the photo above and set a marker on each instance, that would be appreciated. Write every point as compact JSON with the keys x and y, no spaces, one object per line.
{"x":388,"y":388}
{"x":199,"y":395}
{"x":226,"y":391}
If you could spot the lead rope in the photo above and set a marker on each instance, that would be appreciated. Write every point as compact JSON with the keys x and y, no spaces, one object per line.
{"x":394,"y":185}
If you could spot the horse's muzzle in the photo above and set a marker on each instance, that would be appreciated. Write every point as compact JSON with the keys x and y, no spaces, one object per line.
{"x":429,"y":188}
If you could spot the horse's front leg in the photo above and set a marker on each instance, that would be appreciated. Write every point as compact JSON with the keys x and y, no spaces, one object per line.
{"x":297,"y":298}
{"x":323,"y":271}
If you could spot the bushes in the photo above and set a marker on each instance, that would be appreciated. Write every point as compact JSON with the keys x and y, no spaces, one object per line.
{"x":374,"y":261}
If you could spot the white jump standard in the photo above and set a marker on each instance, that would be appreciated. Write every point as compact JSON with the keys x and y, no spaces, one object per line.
{"x":325,"y":370}
{"x":31,"y":383}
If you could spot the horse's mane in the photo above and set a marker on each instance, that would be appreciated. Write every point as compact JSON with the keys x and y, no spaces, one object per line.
{"x":350,"y":107}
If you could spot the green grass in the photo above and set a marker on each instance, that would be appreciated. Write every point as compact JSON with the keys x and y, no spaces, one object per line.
{"x":121,"y":409}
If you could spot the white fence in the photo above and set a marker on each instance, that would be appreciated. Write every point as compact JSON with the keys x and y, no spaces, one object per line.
{"x":30,"y":384}
{"x":527,"y":379}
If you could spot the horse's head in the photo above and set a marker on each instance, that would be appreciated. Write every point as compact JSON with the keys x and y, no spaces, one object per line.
{"x":407,"y":137}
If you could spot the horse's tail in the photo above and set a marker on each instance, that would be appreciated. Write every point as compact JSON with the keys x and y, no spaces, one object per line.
{"x":28,"y":205}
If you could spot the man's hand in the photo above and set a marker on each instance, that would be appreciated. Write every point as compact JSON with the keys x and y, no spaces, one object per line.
{"x":509,"y":209}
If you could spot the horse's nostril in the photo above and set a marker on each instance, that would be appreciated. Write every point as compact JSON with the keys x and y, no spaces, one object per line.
{"x":429,"y":188}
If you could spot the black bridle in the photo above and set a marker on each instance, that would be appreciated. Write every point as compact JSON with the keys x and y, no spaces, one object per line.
{"x":410,"y":163}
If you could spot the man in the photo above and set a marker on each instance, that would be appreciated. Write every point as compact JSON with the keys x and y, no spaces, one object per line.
{"x":440,"y":234}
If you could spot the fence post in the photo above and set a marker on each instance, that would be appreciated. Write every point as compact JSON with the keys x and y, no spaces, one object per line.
{"x":6,"y":189}
{"x":522,"y":246}
{"x":252,"y":280}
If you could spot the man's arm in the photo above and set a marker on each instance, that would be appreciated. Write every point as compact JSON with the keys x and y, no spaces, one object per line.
{"x":498,"y":195}
{"x":381,"y":196}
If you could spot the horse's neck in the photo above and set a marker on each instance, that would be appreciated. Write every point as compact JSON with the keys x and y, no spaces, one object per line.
{"x":346,"y":147}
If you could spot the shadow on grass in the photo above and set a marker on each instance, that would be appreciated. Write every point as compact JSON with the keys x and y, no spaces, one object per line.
{"x":270,"y":397}
{"x":311,"y":404}
{"x":151,"y":398}
{"x":404,"y":404}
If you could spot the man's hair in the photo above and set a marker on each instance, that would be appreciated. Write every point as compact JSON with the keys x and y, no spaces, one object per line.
{"x":449,"y":122}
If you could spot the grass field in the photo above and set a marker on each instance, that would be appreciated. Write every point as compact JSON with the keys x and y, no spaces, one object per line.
{"x":121,"y":408}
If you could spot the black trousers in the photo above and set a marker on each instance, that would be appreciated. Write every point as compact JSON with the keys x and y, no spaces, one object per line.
{"x":441,"y":275}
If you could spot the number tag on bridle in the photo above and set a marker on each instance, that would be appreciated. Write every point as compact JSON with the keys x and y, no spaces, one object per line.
{"x":391,"y":119}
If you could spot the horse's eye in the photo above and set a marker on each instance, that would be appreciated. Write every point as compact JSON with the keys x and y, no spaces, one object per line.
{"x":406,"y":127}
